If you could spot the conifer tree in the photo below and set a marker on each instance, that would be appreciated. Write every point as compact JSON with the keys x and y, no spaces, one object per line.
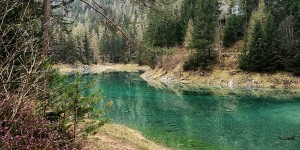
{"x":252,"y":55}
{"x":94,"y":42}
{"x":75,"y":101}
{"x":87,"y":49}
{"x":271,"y":56}
{"x":188,"y":35}
{"x":252,"y":59}
{"x":164,"y":29}
{"x":187,"y":13}
{"x":71,"y":55}
{"x":296,"y":64}
{"x":232,"y":30}
{"x":205,"y":21}
{"x":248,"y":6}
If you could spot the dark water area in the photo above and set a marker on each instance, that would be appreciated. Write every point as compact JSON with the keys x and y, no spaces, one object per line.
{"x":201,"y":119}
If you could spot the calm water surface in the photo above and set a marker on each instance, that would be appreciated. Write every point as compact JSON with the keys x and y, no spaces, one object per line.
{"x":201,"y":119}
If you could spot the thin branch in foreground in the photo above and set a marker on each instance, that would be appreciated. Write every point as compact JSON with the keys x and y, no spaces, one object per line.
{"x":138,"y":44}
{"x":109,"y":20}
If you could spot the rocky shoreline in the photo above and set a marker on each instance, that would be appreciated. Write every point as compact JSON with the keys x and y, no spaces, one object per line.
{"x":99,"y":68}
{"x":160,"y":77}
{"x":226,"y":78}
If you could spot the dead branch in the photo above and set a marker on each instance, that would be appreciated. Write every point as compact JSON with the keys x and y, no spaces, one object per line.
{"x":109,"y":20}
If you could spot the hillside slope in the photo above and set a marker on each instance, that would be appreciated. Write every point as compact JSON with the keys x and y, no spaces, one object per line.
{"x":170,"y":70}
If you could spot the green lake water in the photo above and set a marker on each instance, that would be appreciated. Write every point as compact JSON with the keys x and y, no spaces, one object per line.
{"x":189,"y":119}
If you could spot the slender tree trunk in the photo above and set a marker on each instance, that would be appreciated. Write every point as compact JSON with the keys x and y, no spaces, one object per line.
{"x":75,"y":118}
{"x":75,"y":122}
{"x":45,"y":26}
{"x":65,"y":107}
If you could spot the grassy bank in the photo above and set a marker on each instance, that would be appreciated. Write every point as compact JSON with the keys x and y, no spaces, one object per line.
{"x":113,"y":136}
{"x":231,"y":78}
{"x":227,"y":73}
{"x":98,"y":68}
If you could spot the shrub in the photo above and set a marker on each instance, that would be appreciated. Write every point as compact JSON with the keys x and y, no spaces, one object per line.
{"x":191,"y":63}
{"x":27,"y":130}
{"x":233,"y":30}
{"x":202,"y":59}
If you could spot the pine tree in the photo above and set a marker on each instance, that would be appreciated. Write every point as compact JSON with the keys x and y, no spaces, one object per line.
{"x":232,"y":30}
{"x":257,"y":15}
{"x":296,"y":64}
{"x":94,"y":42}
{"x":87,"y":50}
{"x":188,"y":35}
{"x":187,"y":14}
{"x":271,"y":55}
{"x":164,"y":29}
{"x":80,"y":49}
{"x":72,"y":54}
{"x":253,"y":55}
{"x":205,"y":21}
{"x":252,"y":59}
{"x":248,"y":6}
{"x":75,"y":101}
{"x":104,"y":45}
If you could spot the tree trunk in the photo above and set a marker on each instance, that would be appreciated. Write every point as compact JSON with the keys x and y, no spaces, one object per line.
{"x":45,"y":26}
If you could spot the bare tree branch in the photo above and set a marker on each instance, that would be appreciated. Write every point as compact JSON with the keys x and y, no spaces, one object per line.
{"x":109,"y":20}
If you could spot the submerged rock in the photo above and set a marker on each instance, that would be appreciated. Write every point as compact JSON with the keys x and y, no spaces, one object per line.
{"x":289,"y":138}
{"x":172,"y":130}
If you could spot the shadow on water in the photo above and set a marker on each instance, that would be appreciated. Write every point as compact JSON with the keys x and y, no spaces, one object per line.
{"x":184,"y":117}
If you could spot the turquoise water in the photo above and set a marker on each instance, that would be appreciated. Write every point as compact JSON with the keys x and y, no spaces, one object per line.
{"x":189,"y":119}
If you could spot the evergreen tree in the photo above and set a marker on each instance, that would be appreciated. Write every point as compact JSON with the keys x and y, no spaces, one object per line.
{"x":59,"y":46}
{"x":232,"y":30}
{"x":187,"y":14}
{"x":248,"y":6}
{"x":258,"y":15}
{"x":75,"y":101}
{"x":65,"y":50}
{"x":271,"y":55}
{"x":72,"y":50}
{"x":253,"y":55}
{"x":205,"y":21}
{"x":252,"y":59}
{"x":94,"y":42}
{"x":87,"y":50}
{"x":80,"y":49}
{"x":296,"y":64}
{"x":188,"y":35}
{"x":104,"y":45}
{"x":164,"y":29}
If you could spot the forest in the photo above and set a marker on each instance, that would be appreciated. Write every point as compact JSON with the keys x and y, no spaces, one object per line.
{"x":271,"y":38}
{"x":42,"y":109}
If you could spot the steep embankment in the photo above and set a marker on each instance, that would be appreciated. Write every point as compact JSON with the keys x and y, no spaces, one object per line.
{"x":227,"y":73}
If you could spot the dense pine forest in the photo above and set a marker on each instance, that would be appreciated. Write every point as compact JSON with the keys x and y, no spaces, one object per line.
{"x":40,"y":110}
{"x":91,"y":38}
{"x":271,"y":38}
